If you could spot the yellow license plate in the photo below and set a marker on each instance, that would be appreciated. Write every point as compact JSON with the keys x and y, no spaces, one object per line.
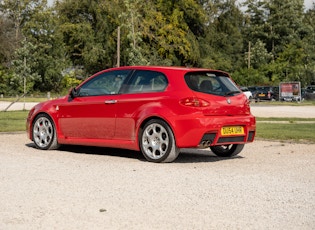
{"x":232,"y":130}
{"x":261,"y":95}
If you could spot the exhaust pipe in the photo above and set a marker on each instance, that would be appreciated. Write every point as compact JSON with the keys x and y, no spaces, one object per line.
{"x":204,"y":144}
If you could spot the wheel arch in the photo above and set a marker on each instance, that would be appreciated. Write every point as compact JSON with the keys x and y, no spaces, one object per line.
{"x":169,"y":148}
{"x":144,"y":121}
{"x":34,"y":118}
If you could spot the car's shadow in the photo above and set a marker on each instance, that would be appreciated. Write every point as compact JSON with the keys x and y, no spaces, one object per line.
{"x":185,"y":156}
{"x":200,"y":155}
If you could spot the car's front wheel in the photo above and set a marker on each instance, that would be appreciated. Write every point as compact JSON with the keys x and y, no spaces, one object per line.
{"x":44,"y":133}
{"x":227,"y":150}
{"x":157,"y":142}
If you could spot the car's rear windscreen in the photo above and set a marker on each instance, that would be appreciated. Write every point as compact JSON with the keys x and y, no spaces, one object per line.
{"x":215,"y":83}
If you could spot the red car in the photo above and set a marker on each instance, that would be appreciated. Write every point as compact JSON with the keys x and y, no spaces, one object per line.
{"x":156,"y":110}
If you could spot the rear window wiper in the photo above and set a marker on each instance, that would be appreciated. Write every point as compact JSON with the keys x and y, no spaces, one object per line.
{"x":231,"y":92}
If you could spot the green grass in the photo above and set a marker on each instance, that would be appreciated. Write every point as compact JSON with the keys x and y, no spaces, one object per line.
{"x":27,"y":99}
{"x":12,"y":121}
{"x":287,"y":119}
{"x":288,"y":103}
{"x":292,"y":130}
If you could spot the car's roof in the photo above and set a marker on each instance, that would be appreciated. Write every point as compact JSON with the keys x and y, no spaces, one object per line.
{"x":166,"y":68}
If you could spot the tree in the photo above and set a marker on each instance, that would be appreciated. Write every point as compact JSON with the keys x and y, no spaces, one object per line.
{"x":19,"y":12}
{"x":281,"y":27}
{"x":285,"y":22}
{"x":292,"y":58}
{"x":89,"y":29}
{"x":23,"y":78}
{"x":309,"y":47}
{"x":131,"y":19}
{"x":222,"y":47}
{"x":272,"y":41}
{"x":168,"y":32}
{"x":49,"y":60}
{"x":7,"y":40}
{"x":257,"y":55}
{"x":37,"y":54}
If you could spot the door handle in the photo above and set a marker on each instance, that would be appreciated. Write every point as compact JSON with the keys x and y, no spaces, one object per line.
{"x":110,"y":101}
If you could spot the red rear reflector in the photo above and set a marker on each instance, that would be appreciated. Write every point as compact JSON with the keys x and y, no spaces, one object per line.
{"x":194,"y":102}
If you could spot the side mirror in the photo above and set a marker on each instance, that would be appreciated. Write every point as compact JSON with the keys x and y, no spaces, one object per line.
{"x":73,"y":93}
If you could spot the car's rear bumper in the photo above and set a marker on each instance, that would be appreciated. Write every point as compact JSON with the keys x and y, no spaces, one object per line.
{"x":206,"y":131}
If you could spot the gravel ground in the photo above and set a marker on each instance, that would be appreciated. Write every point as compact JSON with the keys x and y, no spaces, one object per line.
{"x":270,"y":185}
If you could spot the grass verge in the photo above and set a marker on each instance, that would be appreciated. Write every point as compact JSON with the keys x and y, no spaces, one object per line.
{"x":286,"y":103}
{"x":12,"y":121}
{"x":286,"y":129}
{"x":26,"y":99}
{"x":285,"y":119}
{"x":282,"y":129}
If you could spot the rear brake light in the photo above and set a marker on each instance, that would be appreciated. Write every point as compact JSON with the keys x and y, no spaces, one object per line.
{"x":194,"y":102}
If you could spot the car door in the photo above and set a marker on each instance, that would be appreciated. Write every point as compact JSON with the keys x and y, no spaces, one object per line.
{"x":91,"y":114}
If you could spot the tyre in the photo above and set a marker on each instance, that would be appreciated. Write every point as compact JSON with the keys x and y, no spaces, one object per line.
{"x":44,"y":132}
{"x":157,"y":142}
{"x":227,"y":150}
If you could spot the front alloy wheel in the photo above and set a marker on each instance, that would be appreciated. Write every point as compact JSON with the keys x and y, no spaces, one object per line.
{"x":227,"y":150}
{"x":157,"y":142}
{"x":44,"y":133}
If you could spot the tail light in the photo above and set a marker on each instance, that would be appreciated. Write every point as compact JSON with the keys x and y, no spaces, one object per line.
{"x":194,"y":102}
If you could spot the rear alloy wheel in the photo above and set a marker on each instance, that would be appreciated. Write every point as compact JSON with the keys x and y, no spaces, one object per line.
{"x":157,"y":142}
{"x":44,"y":133}
{"x":227,"y":150}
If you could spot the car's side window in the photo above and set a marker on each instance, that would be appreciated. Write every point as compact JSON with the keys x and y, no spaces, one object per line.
{"x":103,"y":84}
{"x":145,"y":81}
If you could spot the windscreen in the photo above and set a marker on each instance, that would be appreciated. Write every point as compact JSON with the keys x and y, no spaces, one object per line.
{"x":215,"y":83}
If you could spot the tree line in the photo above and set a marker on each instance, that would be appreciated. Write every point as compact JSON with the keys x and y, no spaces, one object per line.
{"x":52,"y":48}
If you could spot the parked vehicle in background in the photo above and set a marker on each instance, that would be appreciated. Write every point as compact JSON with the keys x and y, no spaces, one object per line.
{"x":155,"y":110}
{"x":269,"y":93}
{"x":303,"y":92}
{"x":310,"y":92}
{"x":276,"y":94}
{"x":252,"y":89}
{"x":247,"y":92}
